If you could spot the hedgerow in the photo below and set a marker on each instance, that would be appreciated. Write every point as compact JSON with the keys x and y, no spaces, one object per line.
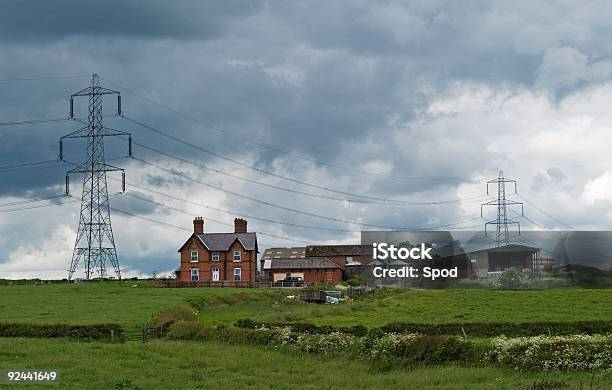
{"x":567,"y":353}
{"x":471,"y":329}
{"x":87,"y":332}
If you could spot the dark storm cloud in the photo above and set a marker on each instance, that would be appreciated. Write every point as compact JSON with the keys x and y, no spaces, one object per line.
{"x":340,"y":82}
{"x":49,"y":20}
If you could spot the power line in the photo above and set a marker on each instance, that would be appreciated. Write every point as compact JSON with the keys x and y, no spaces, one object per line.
{"x":37,"y":206}
{"x":388,"y":202}
{"x":278,"y":150}
{"x":270,"y":204}
{"x":545,"y":213}
{"x":32,"y":200}
{"x":160,"y":223}
{"x":191,"y":214}
{"x":42,"y":78}
{"x":234,"y":213}
{"x":33,"y":164}
{"x":33,"y":121}
{"x":260,"y":170}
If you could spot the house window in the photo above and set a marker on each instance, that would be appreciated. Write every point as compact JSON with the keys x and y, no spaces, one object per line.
{"x":236,"y":255}
{"x":215,"y":256}
{"x":194,"y":256}
{"x":237,"y":274}
{"x":349,"y":259}
{"x":195,"y":275}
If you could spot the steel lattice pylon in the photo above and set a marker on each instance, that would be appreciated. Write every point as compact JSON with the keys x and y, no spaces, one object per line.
{"x":502,"y":236}
{"x":95,"y":244}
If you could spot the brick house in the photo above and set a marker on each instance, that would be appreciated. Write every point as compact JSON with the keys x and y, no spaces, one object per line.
{"x":225,"y":259}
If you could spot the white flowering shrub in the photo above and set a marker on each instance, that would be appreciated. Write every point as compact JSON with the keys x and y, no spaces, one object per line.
{"x":575,"y":353}
{"x":415,"y":348}
{"x":323,"y":343}
{"x":304,"y":342}
{"x":389,"y":345}
{"x":282,"y":336}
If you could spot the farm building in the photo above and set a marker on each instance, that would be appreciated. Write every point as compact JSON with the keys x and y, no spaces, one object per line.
{"x":228,"y":259}
{"x":310,"y":269}
{"x":347,"y":259}
{"x":491,"y":260}
{"x":343,"y":255}
{"x":282,"y":253}
{"x":471,"y":261}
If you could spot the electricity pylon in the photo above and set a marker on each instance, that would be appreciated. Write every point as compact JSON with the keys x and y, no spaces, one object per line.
{"x":95,"y":244}
{"x":502,"y":236}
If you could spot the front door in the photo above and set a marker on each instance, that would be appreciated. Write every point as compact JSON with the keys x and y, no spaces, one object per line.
{"x":215,"y":274}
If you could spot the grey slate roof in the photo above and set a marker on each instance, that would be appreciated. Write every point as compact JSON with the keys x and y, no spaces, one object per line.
{"x":223,"y":241}
{"x":335,"y":250}
{"x":284,"y":253}
{"x":305,"y":263}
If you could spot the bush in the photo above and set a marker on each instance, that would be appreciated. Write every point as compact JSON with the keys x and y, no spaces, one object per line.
{"x":355,"y":281}
{"x":323,"y":343}
{"x":86,"y":332}
{"x":188,"y":330}
{"x":192,"y":330}
{"x":167,"y":317}
{"x":509,"y":279}
{"x":471,"y":329}
{"x":417,"y":349}
{"x":492,"y":329}
{"x":579,"y":352}
{"x":304,"y":327}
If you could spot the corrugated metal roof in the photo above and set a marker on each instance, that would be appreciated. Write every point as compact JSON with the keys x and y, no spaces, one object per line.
{"x":284,"y":253}
{"x":335,"y":250}
{"x":305,"y":263}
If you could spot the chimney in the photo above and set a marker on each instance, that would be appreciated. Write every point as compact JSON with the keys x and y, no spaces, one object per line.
{"x":240,"y":225}
{"x":198,"y":225}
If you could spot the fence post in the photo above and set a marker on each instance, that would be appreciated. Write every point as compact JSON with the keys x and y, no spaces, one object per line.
{"x":112,"y":335}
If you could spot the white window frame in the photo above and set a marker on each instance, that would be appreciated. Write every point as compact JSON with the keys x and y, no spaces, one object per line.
{"x":196,"y":258}
{"x":239,"y":274}
{"x":239,"y":255}
{"x":218,"y":272}
{"x":197,"y":274}
{"x":215,"y":254}
{"x":349,"y":260}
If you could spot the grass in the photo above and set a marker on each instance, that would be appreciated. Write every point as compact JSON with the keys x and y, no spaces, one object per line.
{"x":129,"y":303}
{"x":190,"y":365}
{"x":132,"y":303}
{"x":428,"y":306}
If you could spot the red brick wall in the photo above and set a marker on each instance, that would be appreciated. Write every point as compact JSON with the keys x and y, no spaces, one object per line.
{"x":226,"y":265}
{"x":312,"y":275}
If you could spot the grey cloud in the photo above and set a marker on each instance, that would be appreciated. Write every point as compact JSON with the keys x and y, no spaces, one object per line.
{"x":40,"y":20}
{"x":346,"y":82}
{"x":564,"y":68}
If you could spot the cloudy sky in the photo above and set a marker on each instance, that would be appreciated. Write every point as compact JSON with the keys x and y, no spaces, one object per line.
{"x":304,"y":113}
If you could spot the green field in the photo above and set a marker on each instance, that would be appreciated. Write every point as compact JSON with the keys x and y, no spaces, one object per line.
{"x":127,"y":303}
{"x":210,"y":365}
{"x":429,"y":306}
{"x":192,"y":365}
{"x":132,"y":306}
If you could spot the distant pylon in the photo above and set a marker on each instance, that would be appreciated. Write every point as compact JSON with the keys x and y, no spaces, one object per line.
{"x":95,"y":244}
{"x":502,"y":236}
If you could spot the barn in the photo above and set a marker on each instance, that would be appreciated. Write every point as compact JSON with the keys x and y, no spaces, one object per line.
{"x":310,"y":269}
